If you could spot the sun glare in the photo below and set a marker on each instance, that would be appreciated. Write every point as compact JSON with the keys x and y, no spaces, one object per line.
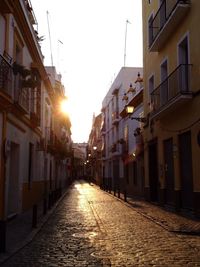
{"x":64,"y":107}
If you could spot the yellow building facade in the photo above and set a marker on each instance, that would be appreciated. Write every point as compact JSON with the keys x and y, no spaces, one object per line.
{"x":172,"y":102}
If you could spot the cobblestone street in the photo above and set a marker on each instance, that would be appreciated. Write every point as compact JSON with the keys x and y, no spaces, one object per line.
{"x":92,"y":228}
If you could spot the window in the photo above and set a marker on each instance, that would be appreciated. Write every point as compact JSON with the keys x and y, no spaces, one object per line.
{"x":150,"y":27}
{"x":164,"y":82}
{"x":113,"y":135}
{"x":183,"y":60}
{"x":113,"y":105}
{"x":126,"y":137}
{"x":117,"y":104}
{"x":151,"y":84}
{"x":162,"y":13}
{"x":150,"y":89}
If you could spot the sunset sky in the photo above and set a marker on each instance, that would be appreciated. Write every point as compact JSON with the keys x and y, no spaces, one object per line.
{"x":88,"y":39}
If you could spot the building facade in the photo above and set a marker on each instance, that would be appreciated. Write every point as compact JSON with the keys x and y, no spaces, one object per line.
{"x":120,"y":168}
{"x":79,"y":160}
{"x":93,"y":163}
{"x":34,"y":140}
{"x":171,"y":102}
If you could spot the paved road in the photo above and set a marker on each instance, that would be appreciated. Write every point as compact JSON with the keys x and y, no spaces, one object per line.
{"x":92,"y":228}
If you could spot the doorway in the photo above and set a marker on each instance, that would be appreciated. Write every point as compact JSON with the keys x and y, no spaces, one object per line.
{"x":116,"y":173}
{"x":153,"y":171}
{"x":13,"y":181}
{"x":186,"y":170}
{"x":169,"y":171}
{"x":183,"y":58}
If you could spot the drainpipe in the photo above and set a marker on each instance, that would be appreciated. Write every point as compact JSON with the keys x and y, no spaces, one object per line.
{"x":3,"y":186}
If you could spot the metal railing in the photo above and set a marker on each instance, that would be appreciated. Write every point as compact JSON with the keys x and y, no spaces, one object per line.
{"x":161,"y":17}
{"x":12,"y":84}
{"x":177,"y":83}
{"x":5,"y":76}
{"x":21,"y":95}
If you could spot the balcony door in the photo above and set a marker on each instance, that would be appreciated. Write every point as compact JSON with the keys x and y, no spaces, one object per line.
{"x":183,"y":59}
{"x":162,"y":13}
{"x":13,"y":180}
{"x":186,"y":170}
{"x":153,"y":171}
{"x":164,"y":83}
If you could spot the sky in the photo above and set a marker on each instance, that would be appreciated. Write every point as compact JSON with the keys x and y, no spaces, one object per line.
{"x":87,"y":40}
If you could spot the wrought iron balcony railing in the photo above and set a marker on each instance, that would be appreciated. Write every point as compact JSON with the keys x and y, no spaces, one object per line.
{"x":177,"y":83}
{"x":170,"y":10}
{"x":35,"y":119}
{"x":5,"y":76}
{"x":21,"y":95}
{"x":50,"y":138}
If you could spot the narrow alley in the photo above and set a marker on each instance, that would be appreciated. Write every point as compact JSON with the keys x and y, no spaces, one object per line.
{"x":93,"y":228}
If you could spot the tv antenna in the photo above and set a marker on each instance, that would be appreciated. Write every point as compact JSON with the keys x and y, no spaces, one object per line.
{"x":49,"y":38}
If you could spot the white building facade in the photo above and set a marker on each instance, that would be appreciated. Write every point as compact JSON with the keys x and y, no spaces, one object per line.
{"x":119,"y":149}
{"x":35,"y":140}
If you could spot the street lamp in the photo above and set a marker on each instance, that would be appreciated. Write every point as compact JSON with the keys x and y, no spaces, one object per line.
{"x":130,"y":110}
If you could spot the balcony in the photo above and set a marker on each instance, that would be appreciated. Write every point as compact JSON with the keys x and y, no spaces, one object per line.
{"x":115,"y":118}
{"x":169,"y":15}
{"x":35,"y":119}
{"x":61,"y":149}
{"x":21,"y":95}
{"x":51,"y":140}
{"x":5,"y":76}
{"x":103,"y":128}
{"x":114,"y":149}
{"x":172,"y":92}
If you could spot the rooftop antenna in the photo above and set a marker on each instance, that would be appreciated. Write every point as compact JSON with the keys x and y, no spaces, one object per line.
{"x":49,"y":37}
{"x":127,"y":21}
{"x":59,"y":42}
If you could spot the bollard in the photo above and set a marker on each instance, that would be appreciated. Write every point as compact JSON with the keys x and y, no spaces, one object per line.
{"x":118,"y":192}
{"x":110,"y":188}
{"x":49,"y":202}
{"x":34,"y":216}
{"x":125,"y":199}
{"x":2,"y":236}
{"x":52,"y":197}
{"x":44,"y":206}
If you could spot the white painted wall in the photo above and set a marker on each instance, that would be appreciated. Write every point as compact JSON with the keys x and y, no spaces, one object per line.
{"x":122,"y":82}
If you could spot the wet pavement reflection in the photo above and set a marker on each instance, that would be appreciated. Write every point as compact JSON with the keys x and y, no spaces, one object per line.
{"x":92,"y":228}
